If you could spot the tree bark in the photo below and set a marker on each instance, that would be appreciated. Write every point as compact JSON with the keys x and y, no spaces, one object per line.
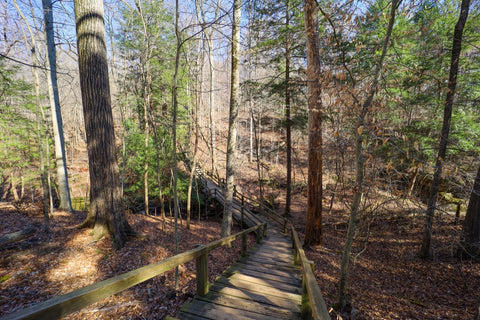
{"x":313,"y":226}
{"x":107,"y":213}
{"x":447,"y":115}
{"x":233,"y":119}
{"x":61,"y":162}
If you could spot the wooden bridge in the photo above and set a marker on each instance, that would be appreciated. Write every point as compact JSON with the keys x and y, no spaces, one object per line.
{"x":267,"y":282}
{"x":274,"y":280}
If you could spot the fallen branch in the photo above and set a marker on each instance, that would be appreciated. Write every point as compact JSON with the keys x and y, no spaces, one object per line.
{"x":17,"y":236}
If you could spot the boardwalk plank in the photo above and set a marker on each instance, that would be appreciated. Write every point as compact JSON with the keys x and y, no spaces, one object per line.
{"x":218,"y":312}
{"x":237,"y":277}
{"x":287,"y":302}
{"x":287,"y":279}
{"x":272,"y":288}
{"x":285,"y":272}
{"x":273,"y":265}
{"x":250,"y":305}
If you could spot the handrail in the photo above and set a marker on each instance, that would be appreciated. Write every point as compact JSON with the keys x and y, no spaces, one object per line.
{"x":312,"y":299}
{"x":270,"y":212}
{"x":60,"y":306}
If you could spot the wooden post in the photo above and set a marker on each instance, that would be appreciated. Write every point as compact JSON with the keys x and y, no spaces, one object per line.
{"x":296,"y":254}
{"x":244,"y":245}
{"x":259,"y":235}
{"x":285,"y":229}
{"x":207,"y":203}
{"x":242,"y":213}
{"x":306,"y":309}
{"x":265,"y":230}
{"x":202,"y":274}
{"x":457,"y":213}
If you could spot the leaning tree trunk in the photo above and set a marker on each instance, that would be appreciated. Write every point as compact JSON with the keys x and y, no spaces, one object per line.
{"x":107,"y":213}
{"x":313,"y":225}
{"x":62,"y":176}
{"x":360,"y":163}
{"x":233,"y":119}
{"x":447,"y":115}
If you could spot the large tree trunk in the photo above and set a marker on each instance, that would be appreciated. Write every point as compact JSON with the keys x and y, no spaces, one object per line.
{"x":313,"y":225}
{"x":470,"y":238}
{"x":233,"y":119}
{"x":62,"y":176}
{"x":447,"y":115}
{"x":360,"y":163}
{"x":107,"y":213}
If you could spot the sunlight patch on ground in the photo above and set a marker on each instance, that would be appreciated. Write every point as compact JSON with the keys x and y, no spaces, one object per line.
{"x":78,"y":260}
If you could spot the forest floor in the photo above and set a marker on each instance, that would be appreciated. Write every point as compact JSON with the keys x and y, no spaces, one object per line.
{"x":51,"y":264}
{"x":387,"y":281}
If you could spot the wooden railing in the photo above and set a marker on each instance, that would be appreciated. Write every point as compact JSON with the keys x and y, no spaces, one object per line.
{"x":313,"y":303}
{"x":58,"y":307}
{"x":312,"y":299}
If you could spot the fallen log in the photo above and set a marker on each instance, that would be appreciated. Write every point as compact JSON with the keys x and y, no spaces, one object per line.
{"x":17,"y":236}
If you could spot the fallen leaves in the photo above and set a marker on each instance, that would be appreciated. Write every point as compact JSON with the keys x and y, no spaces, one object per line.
{"x":48,"y":265}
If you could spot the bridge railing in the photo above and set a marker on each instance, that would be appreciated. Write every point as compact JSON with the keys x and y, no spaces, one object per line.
{"x":313,"y":303}
{"x":63,"y":305}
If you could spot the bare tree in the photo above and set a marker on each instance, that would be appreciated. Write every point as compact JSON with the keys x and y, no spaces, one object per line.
{"x":233,"y":119}
{"x":62,"y":176}
{"x":211,"y":97}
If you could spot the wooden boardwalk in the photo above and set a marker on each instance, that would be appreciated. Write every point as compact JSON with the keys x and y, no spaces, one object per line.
{"x":215,"y":191}
{"x":263,"y":285}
